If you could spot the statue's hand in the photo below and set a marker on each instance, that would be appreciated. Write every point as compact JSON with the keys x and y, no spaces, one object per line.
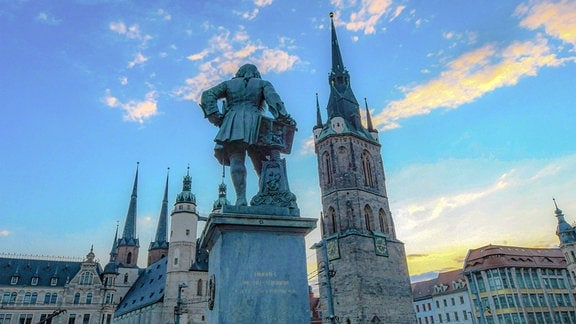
{"x":216,"y":119}
{"x":286,"y":119}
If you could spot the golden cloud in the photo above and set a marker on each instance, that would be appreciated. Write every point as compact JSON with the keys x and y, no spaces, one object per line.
{"x":557,"y":18}
{"x":469,"y":77}
{"x":135,"y":110}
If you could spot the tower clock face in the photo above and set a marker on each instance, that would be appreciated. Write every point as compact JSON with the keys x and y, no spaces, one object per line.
{"x":333,"y":249}
{"x":380,"y":246}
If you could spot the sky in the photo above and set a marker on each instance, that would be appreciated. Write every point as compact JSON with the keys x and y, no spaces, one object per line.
{"x":473,"y":100}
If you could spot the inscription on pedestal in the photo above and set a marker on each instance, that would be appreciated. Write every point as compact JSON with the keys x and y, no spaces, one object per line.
{"x":265,"y":283}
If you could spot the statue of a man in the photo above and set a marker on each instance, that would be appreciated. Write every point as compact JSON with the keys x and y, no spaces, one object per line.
{"x":245,"y":97}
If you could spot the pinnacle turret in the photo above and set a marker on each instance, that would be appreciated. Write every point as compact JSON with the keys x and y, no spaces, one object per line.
{"x":186,"y":196}
{"x":566,"y":233}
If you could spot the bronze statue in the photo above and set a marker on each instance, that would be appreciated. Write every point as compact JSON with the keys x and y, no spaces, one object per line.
{"x":245,"y":129}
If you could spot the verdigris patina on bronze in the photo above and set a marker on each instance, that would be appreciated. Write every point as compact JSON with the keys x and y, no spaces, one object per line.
{"x":245,"y":129}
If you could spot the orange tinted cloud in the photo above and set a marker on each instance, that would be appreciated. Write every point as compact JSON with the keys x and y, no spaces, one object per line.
{"x":469,"y":77}
{"x":557,"y":18}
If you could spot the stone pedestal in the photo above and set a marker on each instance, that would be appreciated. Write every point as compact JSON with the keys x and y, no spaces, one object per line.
{"x":257,"y":268}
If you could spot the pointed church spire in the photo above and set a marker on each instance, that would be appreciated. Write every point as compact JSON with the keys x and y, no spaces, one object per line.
{"x":161,"y":230}
{"x":337,"y":62}
{"x":342,"y":103}
{"x":114,"y":250}
{"x":129,"y":233}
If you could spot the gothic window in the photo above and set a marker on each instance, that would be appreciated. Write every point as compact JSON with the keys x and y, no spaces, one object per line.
{"x":382,"y":219}
{"x":367,"y":169}
{"x":332,"y":218}
{"x":77,"y":298}
{"x":368,"y":217}
{"x":129,"y":258}
{"x":343,"y":160}
{"x":89,"y":298}
{"x":199,"y":288}
{"x":175,"y":261}
{"x":327,"y":168}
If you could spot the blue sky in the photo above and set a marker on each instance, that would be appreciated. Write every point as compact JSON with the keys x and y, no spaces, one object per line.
{"x":474,"y":101}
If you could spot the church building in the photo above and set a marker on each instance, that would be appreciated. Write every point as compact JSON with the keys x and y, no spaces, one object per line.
{"x":364,"y":275}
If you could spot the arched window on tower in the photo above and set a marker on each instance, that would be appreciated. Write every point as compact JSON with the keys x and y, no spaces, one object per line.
{"x":129,"y":258}
{"x":382,"y":220}
{"x":366,"y":159}
{"x":327,"y":168}
{"x":332,"y":218}
{"x":368,"y":217}
{"x":199,"y":288}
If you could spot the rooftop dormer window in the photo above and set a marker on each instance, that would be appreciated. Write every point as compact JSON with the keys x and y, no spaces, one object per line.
{"x":14,"y":279}
{"x":34,"y":281}
{"x":54,"y":281}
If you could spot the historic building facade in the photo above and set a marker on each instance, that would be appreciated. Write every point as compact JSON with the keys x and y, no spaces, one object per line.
{"x":510,"y":284}
{"x":444,"y":299}
{"x":53,"y":290}
{"x":365,"y":277}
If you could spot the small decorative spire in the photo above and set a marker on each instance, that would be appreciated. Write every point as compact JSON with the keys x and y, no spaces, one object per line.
{"x":129,"y":234}
{"x":161,"y":236}
{"x":368,"y":118}
{"x":186,"y":196}
{"x":318,"y":116}
{"x":566,"y":233}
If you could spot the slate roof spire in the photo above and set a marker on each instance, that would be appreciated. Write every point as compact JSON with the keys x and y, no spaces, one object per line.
{"x":342,"y":102}
{"x":161,"y":236}
{"x":114,"y":250}
{"x":129,"y":234}
{"x":318,"y":116}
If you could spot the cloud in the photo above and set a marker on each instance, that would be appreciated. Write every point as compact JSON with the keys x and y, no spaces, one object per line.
{"x":47,"y":19}
{"x":471,"y":203}
{"x":469,"y":77}
{"x":4,"y":233}
{"x":131,"y":32}
{"x":135,"y":110}
{"x":138,"y":59}
{"x":226,"y":53}
{"x":365,"y":15}
{"x":557,"y":18}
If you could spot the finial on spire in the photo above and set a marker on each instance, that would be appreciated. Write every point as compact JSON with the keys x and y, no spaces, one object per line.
{"x":188,"y":170}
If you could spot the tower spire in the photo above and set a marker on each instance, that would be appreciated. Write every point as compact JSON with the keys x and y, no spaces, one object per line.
{"x":342,"y":103}
{"x":129,"y":233}
{"x":159,"y":247}
{"x":114,"y":250}
{"x":337,"y":62}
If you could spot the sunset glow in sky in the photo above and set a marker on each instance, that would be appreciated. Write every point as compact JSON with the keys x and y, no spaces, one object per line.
{"x":474,"y":100}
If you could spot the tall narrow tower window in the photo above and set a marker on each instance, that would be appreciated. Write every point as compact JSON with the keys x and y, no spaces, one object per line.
{"x":368,"y":217}
{"x":367,"y":169}
{"x":332,"y":218}
{"x":327,"y":167}
{"x":199,"y":288}
{"x":382,"y":219}
{"x":129,"y":258}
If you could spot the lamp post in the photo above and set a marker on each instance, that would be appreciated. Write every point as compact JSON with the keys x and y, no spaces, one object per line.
{"x":178,"y":308}
{"x":329,"y":274}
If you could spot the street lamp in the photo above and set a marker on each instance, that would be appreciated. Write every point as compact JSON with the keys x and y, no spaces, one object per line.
{"x":178,"y":307}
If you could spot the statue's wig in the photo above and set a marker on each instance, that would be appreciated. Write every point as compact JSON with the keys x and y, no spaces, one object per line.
{"x":248,"y":71}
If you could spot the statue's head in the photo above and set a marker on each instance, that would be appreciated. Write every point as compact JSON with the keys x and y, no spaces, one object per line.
{"x":248,"y":71}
